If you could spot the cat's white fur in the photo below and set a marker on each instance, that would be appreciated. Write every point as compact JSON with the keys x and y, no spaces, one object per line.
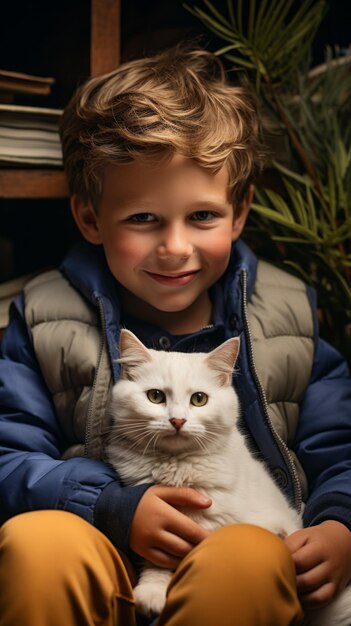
{"x":206,"y":452}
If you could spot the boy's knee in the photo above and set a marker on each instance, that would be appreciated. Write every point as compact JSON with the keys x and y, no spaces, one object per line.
{"x":45,"y":541}
{"x":47,"y":522}
{"x":55,"y":547}
{"x":244,"y":549}
{"x":41,"y":528}
{"x":37,"y":541}
{"x":55,"y":563}
{"x":240,"y":569}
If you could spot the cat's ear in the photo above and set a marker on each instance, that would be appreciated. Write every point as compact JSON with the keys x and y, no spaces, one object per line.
{"x":132,"y":353}
{"x":223,"y":359}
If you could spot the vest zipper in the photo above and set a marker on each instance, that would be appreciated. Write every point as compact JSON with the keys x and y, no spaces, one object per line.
{"x":264,"y":403}
{"x":91,"y":412}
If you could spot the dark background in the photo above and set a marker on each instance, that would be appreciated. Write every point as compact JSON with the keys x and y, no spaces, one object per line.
{"x":52,"y":39}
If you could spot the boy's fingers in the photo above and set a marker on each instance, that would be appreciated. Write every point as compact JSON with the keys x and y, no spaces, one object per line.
{"x":179,"y":523}
{"x":313,"y":579}
{"x":320,"y":597}
{"x":163,"y":559}
{"x":175,"y":545}
{"x":184,"y":497}
{"x":186,"y":528}
{"x":295,"y":541}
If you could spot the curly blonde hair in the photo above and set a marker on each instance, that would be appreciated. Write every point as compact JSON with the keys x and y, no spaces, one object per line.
{"x":178,"y":101}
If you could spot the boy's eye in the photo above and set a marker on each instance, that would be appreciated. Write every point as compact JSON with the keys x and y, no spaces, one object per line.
{"x":156,"y":396}
{"x":142,"y":218}
{"x":203,"y":216}
{"x":199,"y":398}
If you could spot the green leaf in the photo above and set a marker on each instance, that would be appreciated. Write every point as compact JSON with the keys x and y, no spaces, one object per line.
{"x":234,"y":46}
{"x":274,"y":216}
{"x":231,"y":13}
{"x":279,"y":204}
{"x":252,"y":22}
{"x":217,"y":27}
{"x":286,"y":239}
{"x":298,"y":204}
{"x":332,"y":193}
{"x":271,"y":22}
{"x":219,"y":16}
{"x":306,"y":277}
{"x":304,"y":179}
{"x":241,"y":62}
{"x":312,"y":214}
{"x":239,"y":17}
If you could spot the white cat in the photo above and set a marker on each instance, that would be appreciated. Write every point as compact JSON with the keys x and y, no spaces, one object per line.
{"x":174,"y":422}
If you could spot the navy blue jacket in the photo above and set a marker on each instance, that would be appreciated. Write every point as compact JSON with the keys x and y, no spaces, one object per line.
{"x":33,"y":475}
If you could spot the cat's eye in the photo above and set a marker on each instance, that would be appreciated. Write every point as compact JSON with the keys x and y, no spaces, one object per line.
{"x":199,"y":398}
{"x":156,"y":396}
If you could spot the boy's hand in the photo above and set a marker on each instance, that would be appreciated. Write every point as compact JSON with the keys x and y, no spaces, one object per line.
{"x":322,"y":557}
{"x":161,"y":533}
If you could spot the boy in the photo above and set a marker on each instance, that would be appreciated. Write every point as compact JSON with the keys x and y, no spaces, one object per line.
{"x":160,"y":157}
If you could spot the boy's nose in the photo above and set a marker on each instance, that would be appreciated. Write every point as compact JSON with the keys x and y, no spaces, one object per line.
{"x":175,"y":243}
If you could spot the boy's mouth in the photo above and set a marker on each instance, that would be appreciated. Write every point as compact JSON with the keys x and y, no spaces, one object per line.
{"x":173,"y":278}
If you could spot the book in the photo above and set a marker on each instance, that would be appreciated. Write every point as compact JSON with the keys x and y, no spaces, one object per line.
{"x":25,"y":83}
{"x":19,"y":115}
{"x":29,"y":135}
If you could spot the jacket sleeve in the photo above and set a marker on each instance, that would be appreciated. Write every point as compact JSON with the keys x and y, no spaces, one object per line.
{"x":32,"y":474}
{"x":323,"y":438}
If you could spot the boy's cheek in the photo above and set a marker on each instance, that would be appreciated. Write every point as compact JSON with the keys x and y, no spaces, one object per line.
{"x":123,"y":247}
{"x":219,"y":248}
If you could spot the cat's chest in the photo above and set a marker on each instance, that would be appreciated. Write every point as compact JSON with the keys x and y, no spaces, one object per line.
{"x":179,"y":473}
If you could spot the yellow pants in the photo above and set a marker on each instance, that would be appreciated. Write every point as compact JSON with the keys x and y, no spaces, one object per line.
{"x":58,"y":570}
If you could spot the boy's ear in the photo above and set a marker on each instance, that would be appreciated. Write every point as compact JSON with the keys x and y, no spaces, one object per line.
{"x":239,"y":221}
{"x":86,"y":219}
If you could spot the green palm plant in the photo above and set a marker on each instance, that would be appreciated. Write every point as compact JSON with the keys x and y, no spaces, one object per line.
{"x":305,"y":216}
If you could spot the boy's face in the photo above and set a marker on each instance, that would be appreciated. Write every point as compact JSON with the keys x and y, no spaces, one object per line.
{"x":167,"y":231}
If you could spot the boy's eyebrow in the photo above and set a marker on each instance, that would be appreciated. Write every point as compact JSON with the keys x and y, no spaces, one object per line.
{"x":209,"y":204}
{"x":144,"y":203}
{"x":131,"y":203}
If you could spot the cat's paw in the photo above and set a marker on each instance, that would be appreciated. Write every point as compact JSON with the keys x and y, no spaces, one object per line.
{"x":150,"y":598}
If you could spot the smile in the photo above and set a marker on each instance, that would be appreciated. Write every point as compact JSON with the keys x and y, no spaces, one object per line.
{"x":178,"y":279}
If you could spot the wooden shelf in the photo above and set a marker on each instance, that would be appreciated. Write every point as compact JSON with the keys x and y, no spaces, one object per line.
{"x":32,"y":183}
{"x":105,"y":44}
{"x":104,"y":57}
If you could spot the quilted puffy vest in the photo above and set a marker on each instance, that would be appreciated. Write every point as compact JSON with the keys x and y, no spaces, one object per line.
{"x":72,"y":355}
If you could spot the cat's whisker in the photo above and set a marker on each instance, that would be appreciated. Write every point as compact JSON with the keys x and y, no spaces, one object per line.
{"x":206,"y":441}
{"x":138,"y":443}
{"x":154,"y":437}
{"x":217,"y":429}
{"x":211,"y":436}
{"x":128,"y":422}
{"x":119,"y":435}
{"x":199,"y":441}
{"x":130,"y":428}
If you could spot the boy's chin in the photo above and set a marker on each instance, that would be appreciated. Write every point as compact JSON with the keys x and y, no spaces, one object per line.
{"x":176,"y":315}
{"x":166,"y":307}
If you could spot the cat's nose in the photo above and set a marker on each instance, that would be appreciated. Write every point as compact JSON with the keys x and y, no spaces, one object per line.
{"x":177,"y":422}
